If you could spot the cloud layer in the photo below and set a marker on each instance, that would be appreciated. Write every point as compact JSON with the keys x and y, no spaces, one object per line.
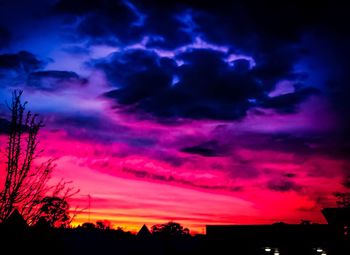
{"x":187,"y":105}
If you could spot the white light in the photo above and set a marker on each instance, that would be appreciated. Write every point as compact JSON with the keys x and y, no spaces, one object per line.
{"x":267,"y":249}
{"x":323,"y":253}
{"x":319,"y":250}
{"x":276,"y":253}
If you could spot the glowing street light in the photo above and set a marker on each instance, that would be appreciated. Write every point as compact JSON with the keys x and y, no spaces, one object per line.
{"x":267,"y":249}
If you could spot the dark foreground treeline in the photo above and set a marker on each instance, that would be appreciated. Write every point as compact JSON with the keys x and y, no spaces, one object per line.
{"x":34,"y":240}
{"x":93,"y":241}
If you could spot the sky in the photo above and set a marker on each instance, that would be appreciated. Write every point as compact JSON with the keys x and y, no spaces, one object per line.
{"x":200,"y":113}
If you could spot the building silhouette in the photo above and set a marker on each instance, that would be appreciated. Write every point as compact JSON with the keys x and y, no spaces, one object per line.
{"x":339,"y":218}
{"x":144,"y":232}
{"x":15,"y":221}
{"x":281,"y":238}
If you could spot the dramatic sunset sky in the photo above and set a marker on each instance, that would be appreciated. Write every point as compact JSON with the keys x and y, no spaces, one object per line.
{"x":200,"y":113}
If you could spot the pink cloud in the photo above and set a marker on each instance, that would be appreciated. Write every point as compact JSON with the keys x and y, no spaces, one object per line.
{"x":131,"y":186}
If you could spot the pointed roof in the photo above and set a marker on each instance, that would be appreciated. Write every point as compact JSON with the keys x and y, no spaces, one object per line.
{"x":42,"y":223}
{"x":16,"y":220}
{"x":144,"y":232}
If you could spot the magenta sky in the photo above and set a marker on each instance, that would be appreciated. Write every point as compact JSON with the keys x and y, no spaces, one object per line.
{"x":197,"y":125}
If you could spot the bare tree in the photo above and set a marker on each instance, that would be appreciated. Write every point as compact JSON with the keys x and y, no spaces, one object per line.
{"x":26,"y":183}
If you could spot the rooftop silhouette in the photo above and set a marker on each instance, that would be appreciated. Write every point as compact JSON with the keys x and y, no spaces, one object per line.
{"x":144,"y":232}
{"x":16,"y":220}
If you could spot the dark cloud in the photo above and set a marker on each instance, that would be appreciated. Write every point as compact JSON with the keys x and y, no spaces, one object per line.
{"x":247,"y":25}
{"x":178,"y":21}
{"x":22,"y":61}
{"x":207,"y":149}
{"x":330,"y":58}
{"x":14,"y":68}
{"x":346,"y":182}
{"x":89,"y":127}
{"x":115,"y":16}
{"x":277,"y":63}
{"x":105,"y":21}
{"x":208,"y":87}
{"x":25,"y":68}
{"x":283,"y":185}
{"x":289,"y":175}
{"x":54,"y":80}
{"x":140,"y":76}
{"x":325,"y":144}
{"x":4,"y":126}
{"x":243,"y":23}
{"x":239,"y":21}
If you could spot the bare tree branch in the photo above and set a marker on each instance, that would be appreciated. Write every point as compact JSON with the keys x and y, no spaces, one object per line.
{"x":25,"y":186}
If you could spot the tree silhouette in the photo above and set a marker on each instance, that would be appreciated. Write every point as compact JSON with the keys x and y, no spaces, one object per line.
{"x":55,"y":211}
{"x":100,"y":225}
{"x":88,"y":225}
{"x":104,"y":225}
{"x":170,"y":229}
{"x":25,"y":185}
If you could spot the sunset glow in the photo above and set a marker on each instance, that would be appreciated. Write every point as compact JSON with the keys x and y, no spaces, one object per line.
{"x":182,"y":121}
